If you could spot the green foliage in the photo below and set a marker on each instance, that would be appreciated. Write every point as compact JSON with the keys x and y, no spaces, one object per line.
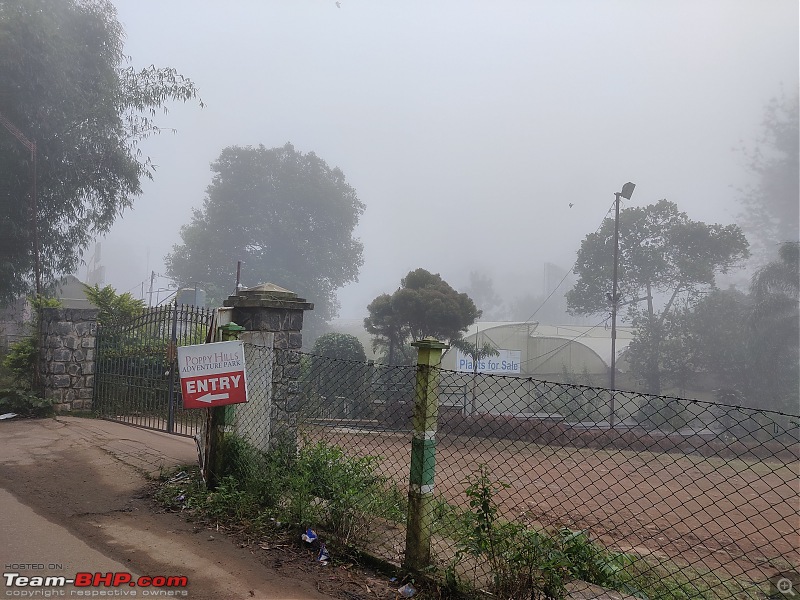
{"x":66,"y":87}
{"x":114,"y":308}
{"x":24,"y":403}
{"x":339,"y":345}
{"x":773,"y":331}
{"x":339,"y":377}
{"x":523,"y":563}
{"x":287,"y":215}
{"x":342,"y":493}
{"x":529,"y":563}
{"x":21,"y":359}
{"x":424,"y":305}
{"x":661,"y":251}
{"x":745,"y":345}
{"x":317,"y":485}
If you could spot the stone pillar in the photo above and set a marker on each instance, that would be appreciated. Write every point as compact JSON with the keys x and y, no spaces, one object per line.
{"x":67,"y":356}
{"x":270,"y":308}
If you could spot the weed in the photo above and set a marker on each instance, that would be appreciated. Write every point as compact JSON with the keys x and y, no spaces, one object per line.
{"x":24,"y":403}
{"x":530,"y":563}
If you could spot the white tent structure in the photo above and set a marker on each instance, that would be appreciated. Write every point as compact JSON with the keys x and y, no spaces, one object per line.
{"x":544,"y":351}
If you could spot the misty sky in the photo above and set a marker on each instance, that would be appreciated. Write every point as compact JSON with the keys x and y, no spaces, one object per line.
{"x":467,"y":128}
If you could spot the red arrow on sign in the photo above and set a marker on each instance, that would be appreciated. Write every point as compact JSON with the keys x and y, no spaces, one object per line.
{"x":218,"y":389}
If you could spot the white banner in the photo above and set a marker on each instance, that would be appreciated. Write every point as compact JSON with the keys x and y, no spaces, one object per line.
{"x":507,"y":362}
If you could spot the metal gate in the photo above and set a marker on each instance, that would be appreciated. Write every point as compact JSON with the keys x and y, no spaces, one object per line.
{"x":136,"y":380}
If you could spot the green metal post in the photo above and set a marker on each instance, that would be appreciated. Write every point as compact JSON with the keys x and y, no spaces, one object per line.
{"x":219,"y":417}
{"x":423,"y":454}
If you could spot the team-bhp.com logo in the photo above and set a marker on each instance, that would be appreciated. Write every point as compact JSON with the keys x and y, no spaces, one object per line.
{"x":25,"y":585}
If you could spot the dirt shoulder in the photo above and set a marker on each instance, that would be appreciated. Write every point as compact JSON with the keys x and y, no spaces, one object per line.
{"x":73,"y":493}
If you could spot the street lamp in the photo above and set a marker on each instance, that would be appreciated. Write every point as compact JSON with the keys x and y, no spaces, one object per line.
{"x":627,"y":192}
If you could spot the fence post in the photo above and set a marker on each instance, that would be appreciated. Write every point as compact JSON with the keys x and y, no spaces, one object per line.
{"x":423,"y":454}
{"x":216,"y":422}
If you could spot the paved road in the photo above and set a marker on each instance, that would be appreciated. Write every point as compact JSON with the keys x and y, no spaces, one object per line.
{"x":71,"y":500}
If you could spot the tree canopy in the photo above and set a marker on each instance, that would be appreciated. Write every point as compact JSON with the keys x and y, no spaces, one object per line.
{"x":67,"y":89}
{"x":342,"y":346}
{"x":743,"y":345}
{"x":772,"y":203}
{"x":286,"y":215}
{"x":663,"y":256}
{"x":424,"y":305}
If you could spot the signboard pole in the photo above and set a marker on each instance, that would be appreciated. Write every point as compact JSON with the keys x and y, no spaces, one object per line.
{"x":217,"y":421}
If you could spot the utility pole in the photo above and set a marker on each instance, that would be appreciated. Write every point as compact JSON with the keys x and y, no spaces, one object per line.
{"x":152,"y":279}
{"x":627,"y":192}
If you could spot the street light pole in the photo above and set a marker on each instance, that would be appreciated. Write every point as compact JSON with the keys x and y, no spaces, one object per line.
{"x":627,"y":192}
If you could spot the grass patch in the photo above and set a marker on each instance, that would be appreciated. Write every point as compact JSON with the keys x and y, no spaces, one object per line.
{"x":317,"y":486}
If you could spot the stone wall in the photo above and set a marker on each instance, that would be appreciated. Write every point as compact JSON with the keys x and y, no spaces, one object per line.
{"x":67,"y":356}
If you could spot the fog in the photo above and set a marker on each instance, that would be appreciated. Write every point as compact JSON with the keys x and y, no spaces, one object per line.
{"x":467,"y":128}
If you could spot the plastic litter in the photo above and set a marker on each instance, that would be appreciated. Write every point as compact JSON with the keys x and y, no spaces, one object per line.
{"x":309,"y":536}
{"x":180,"y":498}
{"x":323,"y":555}
{"x":182,"y":476}
{"x":407,"y":591}
{"x":5,"y":416}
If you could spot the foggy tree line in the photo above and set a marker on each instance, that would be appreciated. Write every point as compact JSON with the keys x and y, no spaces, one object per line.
{"x":291,"y":218}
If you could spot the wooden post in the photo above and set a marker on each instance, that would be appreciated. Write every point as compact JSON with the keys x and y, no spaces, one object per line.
{"x":423,"y":455}
{"x":217,"y":420}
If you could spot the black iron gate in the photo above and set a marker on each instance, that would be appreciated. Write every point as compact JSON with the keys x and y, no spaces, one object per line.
{"x":136,"y":380}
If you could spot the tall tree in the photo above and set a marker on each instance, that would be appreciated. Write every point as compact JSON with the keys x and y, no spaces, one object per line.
{"x":774,"y":328}
{"x":481,"y":290}
{"x":663,"y":255}
{"x":772,"y":203}
{"x":287,"y":215}
{"x":66,"y":89}
{"x":424,"y":305}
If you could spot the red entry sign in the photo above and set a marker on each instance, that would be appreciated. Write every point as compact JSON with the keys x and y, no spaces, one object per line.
{"x":212,"y":374}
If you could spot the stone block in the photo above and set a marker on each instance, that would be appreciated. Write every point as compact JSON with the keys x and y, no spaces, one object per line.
{"x":85,"y":393}
{"x":77,"y":404}
{"x":296,"y":320}
{"x":87,"y":342}
{"x":62,"y":355}
{"x":88,"y":368}
{"x":54,"y":342}
{"x":281,"y":340}
{"x":72,"y":342}
{"x":69,"y":395}
{"x":88,"y":381}
{"x":291,"y":371}
{"x":64,"y":329}
{"x":89,"y":354}
{"x":79,"y":356}
{"x":74,"y":369}
{"x":58,"y":368}
{"x":61,"y":381}
{"x":85,"y":328}
{"x":295,"y":340}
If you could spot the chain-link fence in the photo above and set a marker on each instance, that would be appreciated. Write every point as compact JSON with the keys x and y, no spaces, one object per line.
{"x":657,"y":497}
